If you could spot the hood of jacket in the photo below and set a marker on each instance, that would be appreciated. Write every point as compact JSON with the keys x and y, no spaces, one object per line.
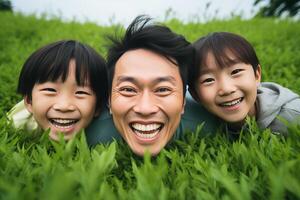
{"x":271,"y":97}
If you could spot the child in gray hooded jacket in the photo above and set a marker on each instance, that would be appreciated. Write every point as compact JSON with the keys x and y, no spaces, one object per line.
{"x":226,"y":80}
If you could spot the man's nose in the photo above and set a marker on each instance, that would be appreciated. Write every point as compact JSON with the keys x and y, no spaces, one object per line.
{"x":146,"y":104}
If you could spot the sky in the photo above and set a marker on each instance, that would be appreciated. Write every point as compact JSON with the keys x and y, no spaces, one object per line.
{"x":107,"y":12}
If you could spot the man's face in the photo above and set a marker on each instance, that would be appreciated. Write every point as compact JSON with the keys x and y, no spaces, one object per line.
{"x":146,"y":100}
{"x":62,"y":106}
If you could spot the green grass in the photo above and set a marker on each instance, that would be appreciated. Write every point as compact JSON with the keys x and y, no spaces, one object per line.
{"x":259,"y":165}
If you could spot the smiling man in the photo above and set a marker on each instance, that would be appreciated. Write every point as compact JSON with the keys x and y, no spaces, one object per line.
{"x":148,"y":71}
{"x":146,"y":100}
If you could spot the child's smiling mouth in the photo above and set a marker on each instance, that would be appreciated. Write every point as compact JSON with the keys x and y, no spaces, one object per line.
{"x":63,"y":123}
{"x":231,"y":103}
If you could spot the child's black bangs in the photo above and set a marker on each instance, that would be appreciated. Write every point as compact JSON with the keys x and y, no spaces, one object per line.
{"x":82,"y":73}
{"x":57,"y":66}
{"x":228,"y":52}
{"x":226,"y":58}
{"x":53,"y":73}
{"x":83,"y":65}
{"x":60,"y":71}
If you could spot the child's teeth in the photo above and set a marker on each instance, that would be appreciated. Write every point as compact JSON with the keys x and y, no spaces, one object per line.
{"x":63,"y":122}
{"x":232,"y":103}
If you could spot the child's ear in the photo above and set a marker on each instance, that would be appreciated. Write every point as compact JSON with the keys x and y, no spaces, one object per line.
{"x":258,"y":74}
{"x":28,"y":103}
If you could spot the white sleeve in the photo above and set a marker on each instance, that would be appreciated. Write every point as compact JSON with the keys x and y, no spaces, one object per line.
{"x":21,"y":117}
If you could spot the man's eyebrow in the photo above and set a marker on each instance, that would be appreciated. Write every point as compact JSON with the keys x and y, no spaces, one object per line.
{"x":170,"y":79}
{"x":133,"y":80}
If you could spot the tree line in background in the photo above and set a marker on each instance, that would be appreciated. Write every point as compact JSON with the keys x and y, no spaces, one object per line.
{"x":275,"y":8}
{"x":278,"y":8}
{"x":5,"y":5}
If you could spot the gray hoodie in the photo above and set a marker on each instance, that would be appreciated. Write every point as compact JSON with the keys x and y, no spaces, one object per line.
{"x":274,"y":100}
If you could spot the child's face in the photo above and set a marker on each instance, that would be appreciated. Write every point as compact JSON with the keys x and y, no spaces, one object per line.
{"x":228,"y":92}
{"x":62,"y":106}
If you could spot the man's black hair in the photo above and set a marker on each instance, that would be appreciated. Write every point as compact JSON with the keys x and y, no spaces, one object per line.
{"x":153,"y":37}
{"x":51,"y":62}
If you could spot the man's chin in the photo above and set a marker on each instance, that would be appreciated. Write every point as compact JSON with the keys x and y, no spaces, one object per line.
{"x":141,"y":150}
{"x":141,"y":146}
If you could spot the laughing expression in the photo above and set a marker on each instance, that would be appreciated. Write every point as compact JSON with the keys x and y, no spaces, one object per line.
{"x":64,"y":107}
{"x":228,"y":92}
{"x":146,"y":100}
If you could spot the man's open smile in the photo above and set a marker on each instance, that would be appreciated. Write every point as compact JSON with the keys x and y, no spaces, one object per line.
{"x":146,"y":132}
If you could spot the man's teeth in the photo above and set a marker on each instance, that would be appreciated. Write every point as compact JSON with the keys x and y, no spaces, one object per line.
{"x":146,"y":131}
{"x":147,"y":135}
{"x":232,"y":103}
{"x":148,"y":127}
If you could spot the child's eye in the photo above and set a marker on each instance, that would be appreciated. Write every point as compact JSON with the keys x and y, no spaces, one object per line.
{"x":208,"y":81}
{"x":82,"y":92}
{"x":48,"y":90}
{"x":236,"y":71}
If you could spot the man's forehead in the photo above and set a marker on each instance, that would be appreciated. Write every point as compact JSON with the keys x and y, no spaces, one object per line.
{"x":136,"y":61}
{"x":144,"y":56}
{"x":154,"y":80}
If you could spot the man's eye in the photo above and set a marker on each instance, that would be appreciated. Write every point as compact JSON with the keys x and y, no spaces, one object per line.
{"x":163,"y":90}
{"x":236,"y":71}
{"x":128,"y":91}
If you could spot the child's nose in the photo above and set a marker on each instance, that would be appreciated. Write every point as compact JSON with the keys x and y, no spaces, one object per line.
{"x":64,"y":105}
{"x":226,"y":87}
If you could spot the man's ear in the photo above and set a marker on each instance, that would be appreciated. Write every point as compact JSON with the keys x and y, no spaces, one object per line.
{"x":258,"y":75}
{"x":109,"y":105}
{"x":97,"y":112}
{"x":183,"y":106}
{"x":28,"y":103}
